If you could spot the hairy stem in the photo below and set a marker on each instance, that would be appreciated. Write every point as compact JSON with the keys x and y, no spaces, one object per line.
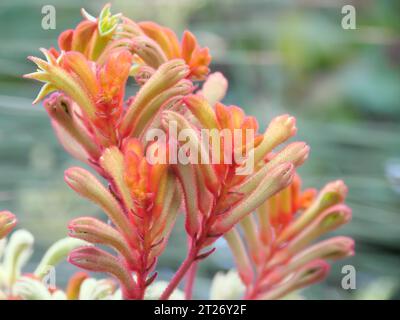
{"x":190,"y":279}
{"x":185,"y":266}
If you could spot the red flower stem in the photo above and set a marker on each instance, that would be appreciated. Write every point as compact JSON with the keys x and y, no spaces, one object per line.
{"x":141,"y":281}
{"x":195,"y":246}
{"x":185,"y":266}
{"x":190,"y":279}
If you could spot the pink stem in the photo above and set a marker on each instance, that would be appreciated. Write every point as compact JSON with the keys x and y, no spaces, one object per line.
{"x":177,"y":278}
{"x":190,"y":279}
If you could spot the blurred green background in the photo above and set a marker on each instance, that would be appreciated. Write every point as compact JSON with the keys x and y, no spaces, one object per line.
{"x":280,"y":56}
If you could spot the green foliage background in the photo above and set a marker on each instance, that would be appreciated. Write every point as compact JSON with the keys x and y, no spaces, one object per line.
{"x":281,"y":56}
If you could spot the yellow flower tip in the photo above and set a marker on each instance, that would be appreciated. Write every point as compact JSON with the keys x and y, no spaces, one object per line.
{"x":337,"y":187}
{"x":333,"y":193}
{"x":335,"y":216}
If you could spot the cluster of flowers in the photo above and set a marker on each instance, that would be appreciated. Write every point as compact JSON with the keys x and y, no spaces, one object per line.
{"x":268,"y":222}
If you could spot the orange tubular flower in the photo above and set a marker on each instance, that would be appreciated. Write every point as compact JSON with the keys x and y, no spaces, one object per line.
{"x":219,"y":195}
{"x":278,"y":245}
{"x":93,"y":110}
{"x":233,"y":191}
{"x":197,"y":58}
{"x":142,"y":202}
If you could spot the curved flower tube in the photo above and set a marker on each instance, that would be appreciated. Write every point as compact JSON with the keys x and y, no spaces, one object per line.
{"x":142,"y":202}
{"x":276,"y":250}
{"x":218,"y":193}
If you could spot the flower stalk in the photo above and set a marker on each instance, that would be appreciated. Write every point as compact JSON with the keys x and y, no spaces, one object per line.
{"x":172,"y":148}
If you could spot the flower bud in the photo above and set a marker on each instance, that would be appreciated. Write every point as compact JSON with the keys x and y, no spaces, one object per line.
{"x":160,"y":102}
{"x":149,"y":51}
{"x":214,"y":88}
{"x":274,"y":181}
{"x":94,"y":259}
{"x":332,"y":194}
{"x":294,"y":153}
{"x":112,"y":161}
{"x":165,"y":77}
{"x":202,"y":110}
{"x":332,"y":249}
{"x":61,"y":111}
{"x":7,"y":223}
{"x":161,"y":231}
{"x":87,"y":185}
{"x":97,"y":232}
{"x":187,"y":177}
{"x":196,"y":147}
{"x":311,"y":273}
{"x":329,"y":220}
{"x":279,"y":130}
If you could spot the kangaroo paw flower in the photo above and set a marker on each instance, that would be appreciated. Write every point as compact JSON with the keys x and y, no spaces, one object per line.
{"x":94,"y":259}
{"x":214,"y":88}
{"x":169,"y":148}
{"x":279,"y":248}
